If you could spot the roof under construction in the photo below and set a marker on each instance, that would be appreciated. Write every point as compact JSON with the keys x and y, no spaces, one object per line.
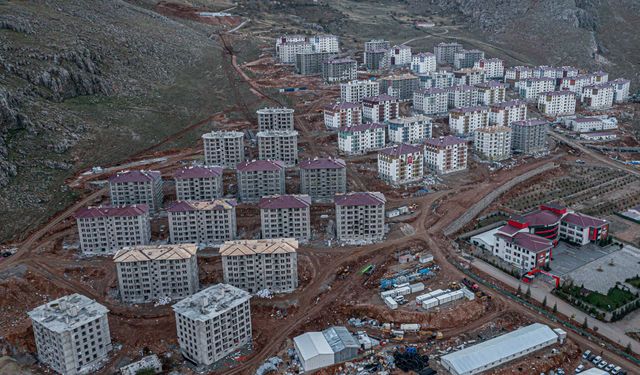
{"x":211,"y":302}
{"x":253,"y":247}
{"x":67,"y":313}
{"x":155,"y":252}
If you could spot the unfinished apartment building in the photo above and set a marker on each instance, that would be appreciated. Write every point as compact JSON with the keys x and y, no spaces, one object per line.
{"x":136,"y":187}
{"x":322,"y":178}
{"x":147,"y":273}
{"x":278,"y":145}
{"x":202,"y":222}
{"x":104,"y":230}
{"x":259,"y":178}
{"x":275,"y":119}
{"x":529,"y":136}
{"x":213,"y":323}
{"x":255,"y":265}
{"x":198,"y":183}
{"x":360,"y":217}
{"x":223,"y":148}
{"x":72,"y":334}
{"x":286,"y":216}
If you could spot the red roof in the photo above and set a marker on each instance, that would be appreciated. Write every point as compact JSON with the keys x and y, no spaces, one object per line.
{"x":583,"y":221}
{"x":360,"y":199}
{"x":218,"y":204}
{"x":528,"y":241}
{"x":322,"y":163}
{"x":197,"y":171}
{"x":401,"y":149}
{"x":540,"y":218}
{"x":285,"y":201}
{"x":363,"y":127}
{"x":447,"y":140}
{"x":135,"y":176}
{"x":509,"y":230}
{"x":260,"y":165}
{"x":108,"y":211}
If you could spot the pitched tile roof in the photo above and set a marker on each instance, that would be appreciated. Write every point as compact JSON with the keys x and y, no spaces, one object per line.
{"x":360,"y":199}
{"x":542,"y":218}
{"x":583,"y":220}
{"x":273,"y":202}
{"x":379,"y":98}
{"x":135,"y":176}
{"x":155,"y":252}
{"x":108,"y":211}
{"x":322,"y":163}
{"x":528,"y":241}
{"x":260,"y":165}
{"x":265,"y":246}
{"x":197,"y":171}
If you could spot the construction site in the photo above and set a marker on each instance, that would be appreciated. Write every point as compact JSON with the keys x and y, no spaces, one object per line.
{"x":388,"y":290}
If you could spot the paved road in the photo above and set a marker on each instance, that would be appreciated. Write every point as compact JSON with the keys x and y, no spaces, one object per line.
{"x":539,"y":290}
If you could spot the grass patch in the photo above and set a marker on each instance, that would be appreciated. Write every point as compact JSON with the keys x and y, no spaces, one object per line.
{"x":615,"y":297}
{"x":635,"y":281}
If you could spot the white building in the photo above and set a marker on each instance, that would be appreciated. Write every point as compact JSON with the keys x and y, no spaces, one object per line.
{"x":423,"y":63}
{"x":557,"y":103}
{"x":401,"y":164}
{"x":591,"y":124}
{"x":287,"y":52}
{"x":360,"y":217}
{"x":439,"y":79}
{"x":361,"y":138}
{"x":503,"y":114}
{"x":202,"y":222}
{"x":342,"y":115}
{"x":531,"y":88}
{"x":462,"y":96}
{"x":213,"y":323}
{"x":493,"y":68}
{"x":280,"y":118}
{"x":493,"y":142}
{"x":491,"y":92}
{"x":288,"y":46}
{"x":469,"y":76}
{"x":445,"y":52}
{"x":598,"y":96}
{"x":467,"y":58}
{"x":431,"y":101}
{"x":464,"y":121}
{"x":286,"y":216}
{"x":575,"y":84}
{"x":198,"y":183}
{"x":321,"y":349}
{"x":380,"y":108}
{"x":147,"y":273}
{"x":278,"y":145}
{"x":325,"y":43}
{"x":413,"y":130}
{"x":620,"y":90}
{"x":445,"y":154}
{"x":148,"y":363}
{"x":581,"y":229}
{"x":322,"y":178}
{"x":517,"y":73}
{"x":223,"y":148}
{"x":399,"y":55}
{"x":259,"y":178}
{"x":72,"y":334}
{"x":255,"y":265}
{"x":355,"y":91}
{"x":599,"y":136}
{"x":104,"y":230}
{"x":127,"y":188}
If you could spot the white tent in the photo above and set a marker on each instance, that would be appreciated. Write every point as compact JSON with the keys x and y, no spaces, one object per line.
{"x":313,"y":350}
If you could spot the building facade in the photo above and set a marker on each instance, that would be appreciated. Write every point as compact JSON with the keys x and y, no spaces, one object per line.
{"x":514,"y":74}
{"x":339,"y":70}
{"x":360,"y":217}
{"x":575,"y":84}
{"x":380,"y":108}
{"x":401,"y":164}
{"x":259,"y":178}
{"x":361,"y":139}
{"x":278,"y":145}
{"x":342,"y":115}
{"x":521,"y":249}
{"x":310,"y":62}
{"x":355,"y":91}
{"x":493,"y":68}
{"x":223,"y":148}
{"x":445,"y":52}
{"x":147,"y":273}
{"x":400,"y":86}
{"x":464,"y":121}
{"x":598,"y":96}
{"x":530,"y":88}
{"x":439,"y":79}
{"x":286,"y":216}
{"x":462,"y":96}
{"x":275,"y":119}
{"x":557,"y":103}
{"x":591,"y":124}
{"x":202,"y":222}
{"x":467,"y":58}
{"x":104,"y":230}
{"x":198,"y":183}
{"x":255,"y":265}
{"x":399,"y":55}
{"x":620,"y":90}
{"x":127,"y":188}
{"x":431,"y":101}
{"x":413,"y":130}
{"x":503,"y":114}
{"x":529,"y":136}
{"x":322,"y":178}
{"x":423,"y":63}
{"x":446,"y":154}
{"x":493,"y":143}
{"x":469,"y":76}
{"x":491,"y":92}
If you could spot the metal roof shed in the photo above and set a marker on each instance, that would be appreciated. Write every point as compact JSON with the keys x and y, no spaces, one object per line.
{"x":499,"y":350}
{"x":343,"y":344}
{"x":313,"y":350}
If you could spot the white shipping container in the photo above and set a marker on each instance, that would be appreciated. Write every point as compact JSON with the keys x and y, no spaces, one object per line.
{"x":417,"y":287}
{"x":468,"y":294}
{"x":410,"y":327}
{"x":401,"y":285}
{"x":458,"y":294}
{"x":430,"y":303}
{"x":429,"y":295}
{"x":403,"y":291}
{"x":444,"y":298}
{"x":391,"y":303}
{"x":388,"y":293}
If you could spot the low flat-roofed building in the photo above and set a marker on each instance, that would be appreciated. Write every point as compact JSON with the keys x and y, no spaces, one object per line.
{"x":148,"y":363}
{"x":321,"y":349}
{"x":599,"y":136}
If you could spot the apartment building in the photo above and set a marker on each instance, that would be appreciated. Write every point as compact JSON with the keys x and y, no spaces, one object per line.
{"x":380,"y":108}
{"x":431,"y":101}
{"x":424,"y":63}
{"x":286,"y":52}
{"x":469,"y":76}
{"x":464,"y":121}
{"x":339,"y":70}
{"x":620,"y":90}
{"x":322,"y":178}
{"x":355,"y":91}
{"x":491,"y":92}
{"x":591,"y":124}
{"x":146,"y":273}
{"x":493,"y":68}
{"x":360,"y":217}
{"x":202,"y":222}
{"x":310,"y":62}
{"x":278,"y":145}
{"x":598,"y":96}
{"x":517,"y":73}
{"x":286,"y":216}
{"x":376,"y":44}
{"x":531,"y":88}
{"x":438,"y":79}
{"x":198,"y":183}
{"x":557,"y":103}
{"x":545,"y":71}
{"x":399,"y":55}
{"x":503,"y":114}
{"x":462,"y":96}
{"x":127,"y":188}
{"x":493,"y":143}
{"x":575,"y":84}
{"x":361,"y":139}
{"x":103,"y":230}
{"x":223,"y":148}
{"x":400,"y":86}
{"x":412,"y":130}
{"x":401,"y":164}
{"x":72,"y":334}
{"x":446,"y":154}
{"x":255,"y":265}
{"x":259,"y":178}
{"x":529,"y":136}
{"x":288,"y":46}
{"x":342,"y":115}
{"x":467,"y":58}
{"x":599,"y":77}
{"x":213,"y":323}
{"x":275,"y":119}
{"x":445,"y":52}
{"x":376,"y":59}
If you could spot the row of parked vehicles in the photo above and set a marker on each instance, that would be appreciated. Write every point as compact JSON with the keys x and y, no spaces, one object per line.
{"x":600,"y":363}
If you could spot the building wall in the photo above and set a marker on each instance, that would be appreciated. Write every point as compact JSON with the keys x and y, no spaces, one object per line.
{"x":275,"y":119}
{"x":254,"y":185}
{"x":286,"y":223}
{"x":447,"y":159}
{"x":130,"y":193}
{"x":401,"y":169}
{"x":493,"y":145}
{"x":106,"y":235}
{"x":277,"y":272}
{"x":529,"y":139}
{"x":278,"y":145}
{"x":202,"y":226}
{"x":359,"y":142}
{"x":224,"y":148}
{"x":199,"y":188}
{"x":360,"y":223}
{"x":466,"y":123}
{"x":355,"y":91}
{"x":323,"y":183}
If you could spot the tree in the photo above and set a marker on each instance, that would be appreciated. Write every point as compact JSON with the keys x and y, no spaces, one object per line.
{"x":555,"y":307}
{"x":585,"y":324}
{"x":544,"y":302}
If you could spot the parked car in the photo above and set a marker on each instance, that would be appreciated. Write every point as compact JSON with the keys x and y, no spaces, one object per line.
{"x":579,"y":369}
{"x":616,"y":370}
{"x":602,"y":364}
{"x":609,"y":367}
{"x":560,"y":372}
{"x":586,"y":354}
{"x":596,"y":360}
